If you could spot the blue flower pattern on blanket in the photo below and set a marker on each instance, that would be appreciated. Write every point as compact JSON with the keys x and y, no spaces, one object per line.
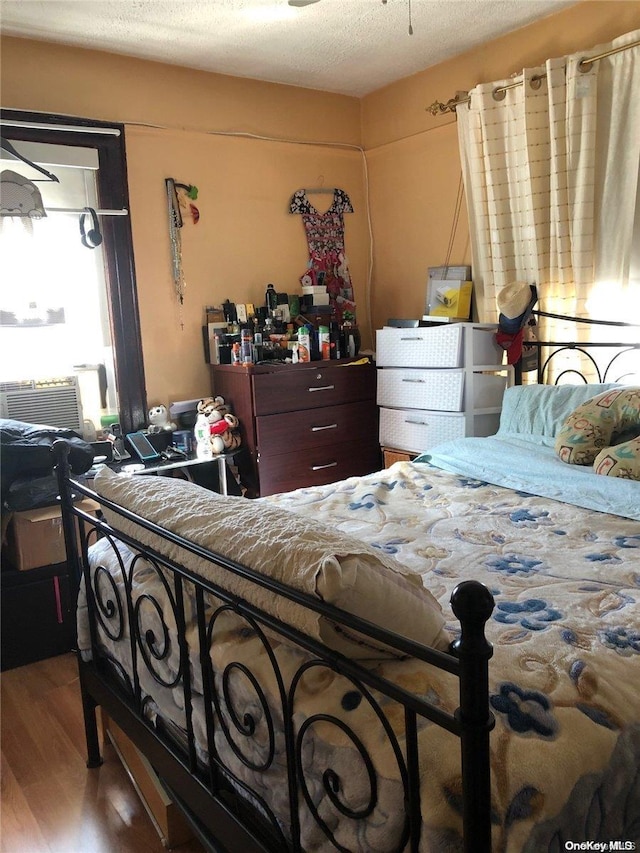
{"x":565,"y":633}
{"x":525,"y":710}
{"x":390,"y":547}
{"x":366,"y":502}
{"x":513,"y":565}
{"x":602,"y":558}
{"x":625,"y":641}
{"x":468,"y":483}
{"x":533,"y":613}
{"x":525,"y":516}
{"x":627,"y":541}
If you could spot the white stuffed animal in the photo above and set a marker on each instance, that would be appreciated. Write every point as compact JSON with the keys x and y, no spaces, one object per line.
{"x":159,"y":419}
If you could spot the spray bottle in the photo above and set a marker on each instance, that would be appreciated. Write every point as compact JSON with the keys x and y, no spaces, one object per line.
{"x":202,"y":434}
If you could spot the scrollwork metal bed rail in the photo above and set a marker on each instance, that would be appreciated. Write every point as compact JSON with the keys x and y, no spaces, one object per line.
{"x":212,"y":774}
{"x":549,"y":350}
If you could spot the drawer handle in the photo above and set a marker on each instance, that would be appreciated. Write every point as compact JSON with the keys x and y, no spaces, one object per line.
{"x":320,"y":467}
{"x":415,"y":381}
{"x":328,"y":426}
{"x":323,"y":388}
{"x":419,"y":423}
{"x":411,"y":339}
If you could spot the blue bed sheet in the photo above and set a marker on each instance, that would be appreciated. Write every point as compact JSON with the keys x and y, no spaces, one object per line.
{"x":535,"y":469}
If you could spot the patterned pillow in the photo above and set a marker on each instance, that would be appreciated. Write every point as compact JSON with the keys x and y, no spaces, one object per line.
{"x":621,"y":460}
{"x":592,"y":430}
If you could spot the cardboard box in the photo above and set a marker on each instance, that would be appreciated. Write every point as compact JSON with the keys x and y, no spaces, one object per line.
{"x":167,"y":818}
{"x":319,"y":294}
{"x":461,"y":273}
{"x":35,"y":537}
{"x":449,"y":298}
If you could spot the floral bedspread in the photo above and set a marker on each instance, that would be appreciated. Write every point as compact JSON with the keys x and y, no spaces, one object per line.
{"x":565,"y":675}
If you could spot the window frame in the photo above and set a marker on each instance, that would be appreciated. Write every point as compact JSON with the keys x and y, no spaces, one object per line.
{"x":117,"y":245}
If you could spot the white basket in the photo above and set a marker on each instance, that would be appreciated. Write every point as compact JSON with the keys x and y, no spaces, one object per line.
{"x":421,"y":389}
{"x":406,"y":429}
{"x":438,"y":346}
{"x":418,"y":431}
{"x":424,"y":347}
{"x":443,"y":390}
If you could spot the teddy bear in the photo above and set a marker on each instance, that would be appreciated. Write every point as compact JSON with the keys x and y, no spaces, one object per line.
{"x":159,"y":420}
{"x":223,"y":425}
{"x":225,"y":435}
{"x":213,"y":408}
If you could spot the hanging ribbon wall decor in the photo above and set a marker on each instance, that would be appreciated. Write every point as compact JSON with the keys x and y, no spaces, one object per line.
{"x":180,"y":199}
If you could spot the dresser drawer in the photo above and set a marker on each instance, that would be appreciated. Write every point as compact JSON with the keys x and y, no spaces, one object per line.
{"x":421,"y":389}
{"x":437,"y":346}
{"x":416,"y":431}
{"x":323,"y":384}
{"x":442,"y":390}
{"x":317,"y":427}
{"x":284,"y":472}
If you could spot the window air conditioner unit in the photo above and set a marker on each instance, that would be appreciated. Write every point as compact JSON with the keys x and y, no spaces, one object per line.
{"x":53,"y":402}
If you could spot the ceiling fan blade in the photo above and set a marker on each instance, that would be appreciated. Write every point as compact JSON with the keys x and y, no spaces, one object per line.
{"x":302,"y":2}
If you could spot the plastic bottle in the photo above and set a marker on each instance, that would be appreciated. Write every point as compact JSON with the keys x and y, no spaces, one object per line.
{"x":271,"y":298}
{"x":324,"y":342}
{"x":202,"y":435}
{"x":246,"y":347}
{"x":304,"y":344}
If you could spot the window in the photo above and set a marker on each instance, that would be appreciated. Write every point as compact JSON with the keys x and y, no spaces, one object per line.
{"x":64,"y":306}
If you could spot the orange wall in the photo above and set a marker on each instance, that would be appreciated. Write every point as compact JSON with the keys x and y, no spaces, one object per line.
{"x":414,"y":165}
{"x":246,"y":237}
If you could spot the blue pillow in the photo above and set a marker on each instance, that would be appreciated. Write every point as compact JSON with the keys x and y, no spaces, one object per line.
{"x":536,"y":412}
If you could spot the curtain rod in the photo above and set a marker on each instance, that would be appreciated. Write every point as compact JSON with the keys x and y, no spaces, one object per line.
{"x":78,"y":210}
{"x":33,"y":125}
{"x":438,"y":108}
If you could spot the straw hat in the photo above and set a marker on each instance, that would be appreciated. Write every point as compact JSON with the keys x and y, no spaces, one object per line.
{"x":513,"y":300}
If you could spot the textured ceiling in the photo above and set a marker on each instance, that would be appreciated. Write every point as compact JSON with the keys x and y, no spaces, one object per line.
{"x":351,"y":47}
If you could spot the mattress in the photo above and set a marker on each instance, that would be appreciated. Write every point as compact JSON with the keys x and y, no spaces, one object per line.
{"x":564,"y":678}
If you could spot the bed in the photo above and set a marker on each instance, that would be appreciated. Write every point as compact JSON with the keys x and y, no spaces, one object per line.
{"x":440,"y":656}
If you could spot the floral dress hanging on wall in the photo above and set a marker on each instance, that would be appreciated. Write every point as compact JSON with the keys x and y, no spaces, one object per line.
{"x":327,"y":264}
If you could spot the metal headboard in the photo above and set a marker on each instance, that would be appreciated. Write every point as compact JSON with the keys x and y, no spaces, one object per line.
{"x":548,"y":350}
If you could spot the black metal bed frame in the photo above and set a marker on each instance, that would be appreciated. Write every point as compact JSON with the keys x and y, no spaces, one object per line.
{"x":549,"y":350}
{"x":224,"y":819}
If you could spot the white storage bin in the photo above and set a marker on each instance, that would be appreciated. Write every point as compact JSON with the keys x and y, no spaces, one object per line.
{"x":421,"y":389}
{"x":437,"y":346}
{"x":443,"y":390}
{"x":440,"y":346}
{"x":418,"y":431}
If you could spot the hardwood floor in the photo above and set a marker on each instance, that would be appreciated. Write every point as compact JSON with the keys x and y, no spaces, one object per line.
{"x":50,"y":801}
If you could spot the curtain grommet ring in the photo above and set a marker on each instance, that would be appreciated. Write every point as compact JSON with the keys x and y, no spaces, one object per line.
{"x":536,"y":81}
{"x":584,"y":66}
{"x":499,"y":94}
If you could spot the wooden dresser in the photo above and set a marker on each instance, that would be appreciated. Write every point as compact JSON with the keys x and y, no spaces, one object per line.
{"x":302,"y":424}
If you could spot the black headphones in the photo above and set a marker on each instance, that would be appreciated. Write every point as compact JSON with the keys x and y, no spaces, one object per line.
{"x":91,"y":238}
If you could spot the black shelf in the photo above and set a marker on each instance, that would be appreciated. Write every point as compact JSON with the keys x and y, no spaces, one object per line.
{"x":37,"y":619}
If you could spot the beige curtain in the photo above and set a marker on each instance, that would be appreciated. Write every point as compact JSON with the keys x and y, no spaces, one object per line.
{"x":551,"y":169}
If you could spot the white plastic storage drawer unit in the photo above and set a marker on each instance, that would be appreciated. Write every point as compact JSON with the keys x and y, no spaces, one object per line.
{"x":416,"y":430}
{"x":438,"y":383}
{"x":455,"y":345}
{"x":442,"y":390}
